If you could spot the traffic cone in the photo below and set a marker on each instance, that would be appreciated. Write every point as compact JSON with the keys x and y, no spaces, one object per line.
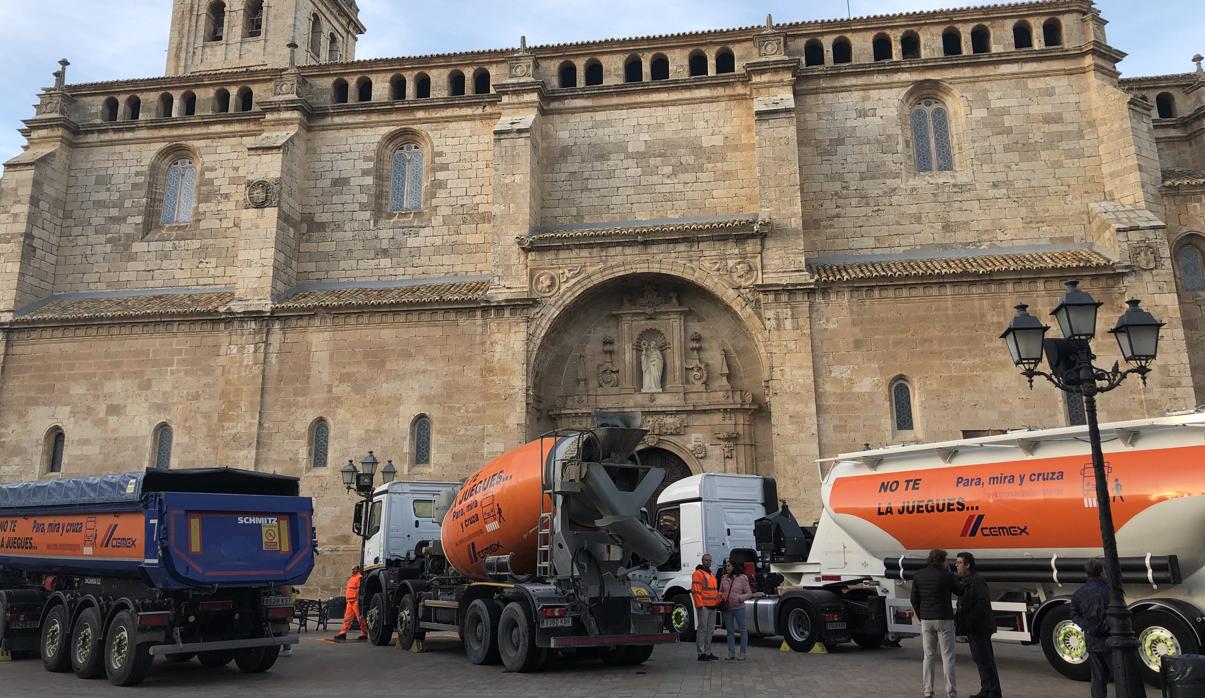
{"x":818,"y":648}
{"x":785,"y":647}
{"x":417,"y":646}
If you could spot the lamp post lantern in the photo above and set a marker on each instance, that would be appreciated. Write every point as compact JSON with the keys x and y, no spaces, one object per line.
{"x":1071,"y":370}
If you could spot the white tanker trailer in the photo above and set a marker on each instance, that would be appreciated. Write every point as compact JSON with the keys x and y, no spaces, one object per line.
{"x":1024,"y":503}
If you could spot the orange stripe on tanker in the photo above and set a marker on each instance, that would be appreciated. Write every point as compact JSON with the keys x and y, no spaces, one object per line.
{"x":497,"y":511}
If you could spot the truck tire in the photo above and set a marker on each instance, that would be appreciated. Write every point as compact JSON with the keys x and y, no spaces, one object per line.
{"x":799,"y":625}
{"x":256,"y":660}
{"x":1064,"y":644}
{"x":88,"y":645}
{"x":1161,"y":634}
{"x":380,"y":625}
{"x":682,"y":618}
{"x":407,"y":628}
{"x":868,"y":641}
{"x":517,"y":640}
{"x":215,"y":658}
{"x":635,"y":655}
{"x":126,"y":663}
{"x":480,"y":631}
{"x":55,"y":644}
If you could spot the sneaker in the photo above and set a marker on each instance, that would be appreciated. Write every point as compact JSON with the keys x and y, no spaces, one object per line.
{"x":712,"y":658}
{"x":702,"y":657}
{"x":341,"y":637}
{"x":362,"y":638}
{"x":730,"y":657}
{"x":741,"y":658}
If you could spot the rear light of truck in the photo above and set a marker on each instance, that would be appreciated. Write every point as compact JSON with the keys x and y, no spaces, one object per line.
{"x":154,"y":619}
{"x":834,"y":617}
{"x":280,"y":612}
{"x":555,"y":611}
{"x":216,"y":605}
{"x":22,"y":620}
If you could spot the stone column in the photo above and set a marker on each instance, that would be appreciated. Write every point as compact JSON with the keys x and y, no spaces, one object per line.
{"x":772,"y":83}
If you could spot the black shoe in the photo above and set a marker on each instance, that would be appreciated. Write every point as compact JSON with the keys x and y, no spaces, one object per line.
{"x":340,"y":638}
{"x":712,"y":658}
{"x":702,"y":657}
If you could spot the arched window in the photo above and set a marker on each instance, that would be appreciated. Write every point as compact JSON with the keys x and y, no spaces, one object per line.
{"x":981,"y":40}
{"x":901,"y":406}
{"x":422,"y":86}
{"x":397,"y":87}
{"x":842,"y":51}
{"x":1022,"y":35}
{"x":254,"y":18}
{"x":456,"y":83}
{"x":633,"y":69}
{"x":882,"y":48}
{"x":951,"y":42}
{"x":659,"y":68}
{"x":1165,"y":105}
{"x":1076,"y":413}
{"x":910,"y":45}
{"x":697,"y":63}
{"x":320,"y":443}
{"x":408,"y":177}
{"x":481,"y":81}
{"x":108,"y":112}
{"x":339,"y":91}
{"x":316,"y":36}
{"x":725,"y":62}
{"x":161,"y":440}
{"x":133,"y":108}
{"x":52,"y":450}
{"x":1189,"y":267}
{"x":1052,"y":32}
{"x":332,"y":50}
{"x":364,"y":90}
{"x":244,"y":99}
{"x":421,"y":438}
{"x":188,"y":104}
{"x":179,"y":192}
{"x":167,"y":104}
{"x":931,"y":144}
{"x":594,"y":72}
{"x":221,"y":101}
{"x":813,"y":52}
{"x":215,"y":21}
{"x":566,"y":75}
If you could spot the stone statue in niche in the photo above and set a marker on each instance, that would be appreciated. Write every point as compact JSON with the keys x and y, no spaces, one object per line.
{"x":652,"y":366}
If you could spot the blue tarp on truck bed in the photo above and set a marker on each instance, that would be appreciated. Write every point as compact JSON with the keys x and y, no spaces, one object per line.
{"x":129,"y":487}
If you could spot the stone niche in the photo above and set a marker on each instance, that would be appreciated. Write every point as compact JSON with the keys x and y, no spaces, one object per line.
{"x":672,"y":352}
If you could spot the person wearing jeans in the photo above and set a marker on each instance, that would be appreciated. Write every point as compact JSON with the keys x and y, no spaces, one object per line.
{"x":734,"y":592}
{"x":705,"y":595}
{"x":932,"y":589}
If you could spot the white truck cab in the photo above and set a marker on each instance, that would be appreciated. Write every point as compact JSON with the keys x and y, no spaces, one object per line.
{"x":398,"y":518}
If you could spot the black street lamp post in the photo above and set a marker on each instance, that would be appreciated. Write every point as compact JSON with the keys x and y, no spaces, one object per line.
{"x":1072,"y":371}
{"x":362,"y":482}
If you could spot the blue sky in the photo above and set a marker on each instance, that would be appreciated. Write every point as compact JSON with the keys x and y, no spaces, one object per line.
{"x":128,"y":38}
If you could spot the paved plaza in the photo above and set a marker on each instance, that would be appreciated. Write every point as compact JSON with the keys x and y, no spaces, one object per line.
{"x":335,"y":671}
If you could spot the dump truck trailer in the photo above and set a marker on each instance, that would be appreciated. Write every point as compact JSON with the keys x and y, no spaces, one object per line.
{"x":99,"y":575}
{"x":543,"y":549}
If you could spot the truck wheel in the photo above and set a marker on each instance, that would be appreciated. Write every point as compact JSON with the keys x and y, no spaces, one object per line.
{"x":480,"y":631}
{"x":408,"y":631}
{"x":799,"y":625}
{"x":517,"y":640}
{"x":637,"y":654}
{"x":868,"y":641}
{"x":255,"y":660}
{"x":380,"y":626}
{"x":126,"y":663}
{"x":1064,"y":644}
{"x":614,"y":656}
{"x":215,"y":658}
{"x":682,"y":618}
{"x":56,"y":640}
{"x":88,"y":645}
{"x":1161,"y":634}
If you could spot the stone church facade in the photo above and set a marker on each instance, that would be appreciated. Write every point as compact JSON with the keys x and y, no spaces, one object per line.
{"x":776,"y":243}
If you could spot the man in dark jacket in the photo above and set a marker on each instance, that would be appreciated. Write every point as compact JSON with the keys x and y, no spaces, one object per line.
{"x":932,"y":588}
{"x":975,"y":620}
{"x":1089,"y":610}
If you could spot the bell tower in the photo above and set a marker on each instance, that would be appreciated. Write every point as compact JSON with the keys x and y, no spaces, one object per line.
{"x":209,"y":35}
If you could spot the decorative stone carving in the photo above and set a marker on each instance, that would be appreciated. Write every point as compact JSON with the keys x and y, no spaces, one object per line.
{"x":743,"y":272}
{"x":650,"y":298}
{"x":546,"y":283}
{"x":713,"y":265}
{"x":727,"y":441}
{"x":1144,"y":256}
{"x":699,"y":451}
{"x":696,"y":370}
{"x":263,"y":193}
{"x":724,"y":372}
{"x":521,"y":65}
{"x":608,"y":374}
{"x":664,"y":424}
{"x":650,"y":439}
{"x":769,"y":46}
{"x":570,"y":273}
{"x":652,"y":345}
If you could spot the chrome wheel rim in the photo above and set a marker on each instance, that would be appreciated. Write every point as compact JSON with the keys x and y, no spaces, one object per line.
{"x":120,"y":648}
{"x":54,"y":638}
{"x":1069,"y":642}
{"x":800,"y":624}
{"x":678,"y":619}
{"x":373,"y":619}
{"x":403,"y":622}
{"x":83,"y":643}
{"x":1155,"y":643}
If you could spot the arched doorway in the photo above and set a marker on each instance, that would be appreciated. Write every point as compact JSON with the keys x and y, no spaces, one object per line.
{"x":675,"y":468}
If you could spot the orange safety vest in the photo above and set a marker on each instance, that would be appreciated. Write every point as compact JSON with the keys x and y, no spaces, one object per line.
{"x":352,"y":592}
{"x":703,"y":590}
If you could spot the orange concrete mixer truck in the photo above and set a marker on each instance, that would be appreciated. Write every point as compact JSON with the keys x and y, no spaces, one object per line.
{"x":1023,"y":502}
{"x":544,"y":548}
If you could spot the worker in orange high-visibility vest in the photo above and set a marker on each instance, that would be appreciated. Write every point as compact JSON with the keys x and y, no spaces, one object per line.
{"x":705,"y":594}
{"x":352,"y":595}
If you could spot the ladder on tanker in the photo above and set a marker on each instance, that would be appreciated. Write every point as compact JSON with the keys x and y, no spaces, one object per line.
{"x":544,"y":526}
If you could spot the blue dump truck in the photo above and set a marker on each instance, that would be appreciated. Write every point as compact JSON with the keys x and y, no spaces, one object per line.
{"x":100,"y":575}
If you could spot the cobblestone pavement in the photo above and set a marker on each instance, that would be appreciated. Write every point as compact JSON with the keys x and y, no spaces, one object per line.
{"x":355,"y":669}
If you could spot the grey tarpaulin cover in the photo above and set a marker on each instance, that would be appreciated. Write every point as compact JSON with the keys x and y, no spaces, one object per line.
{"x":129,"y":487}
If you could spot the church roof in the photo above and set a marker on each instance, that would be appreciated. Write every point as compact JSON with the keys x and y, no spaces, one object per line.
{"x":976,"y":264}
{"x":133,"y":304}
{"x":1176,"y":177}
{"x":360,"y":296}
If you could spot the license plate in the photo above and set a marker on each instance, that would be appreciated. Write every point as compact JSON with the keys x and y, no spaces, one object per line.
{"x":556,"y":623}
{"x":836,"y":626}
{"x":271,"y":601}
{"x":23,"y":625}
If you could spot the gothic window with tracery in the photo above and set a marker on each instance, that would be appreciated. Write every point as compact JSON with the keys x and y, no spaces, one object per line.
{"x":931,"y":144}
{"x":320,"y":439}
{"x":1190,"y":267}
{"x":422,"y":441}
{"x":406,"y":184}
{"x":901,"y":406}
{"x":163,"y":447}
{"x":179,"y":192}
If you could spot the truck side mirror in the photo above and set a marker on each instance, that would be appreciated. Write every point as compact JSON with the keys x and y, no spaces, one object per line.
{"x":357,"y":521}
